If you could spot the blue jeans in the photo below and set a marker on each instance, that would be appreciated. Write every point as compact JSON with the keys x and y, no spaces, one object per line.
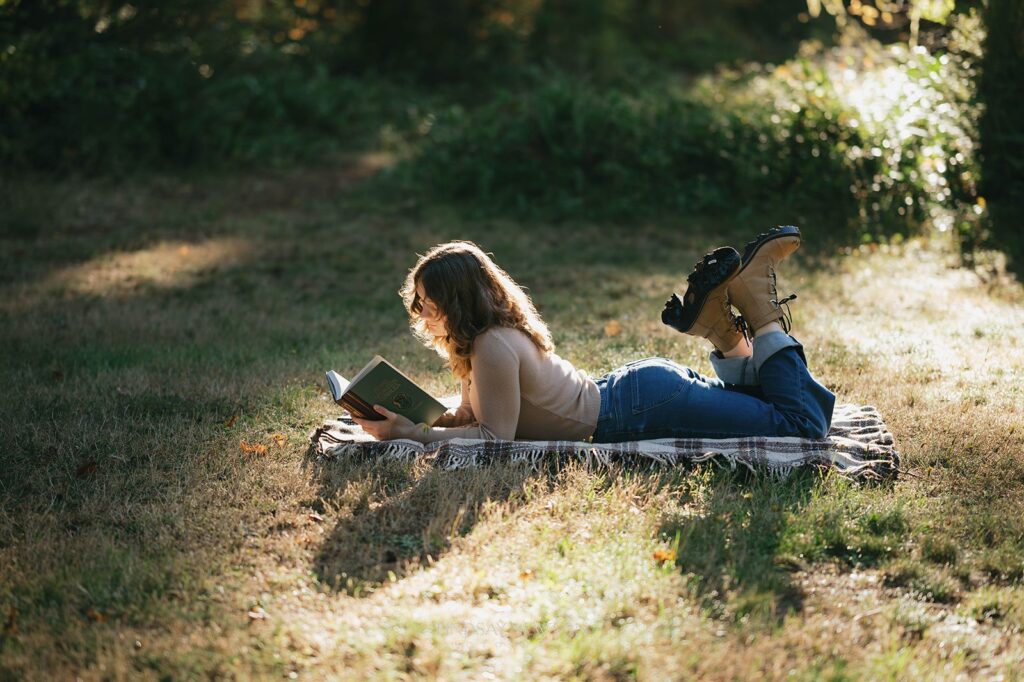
{"x":771,"y":393}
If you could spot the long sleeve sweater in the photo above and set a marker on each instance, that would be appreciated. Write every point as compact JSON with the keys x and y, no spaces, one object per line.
{"x":516,"y":391}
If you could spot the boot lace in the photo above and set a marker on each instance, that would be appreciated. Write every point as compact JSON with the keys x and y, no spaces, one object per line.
{"x":786,"y":318}
{"x":735,"y":320}
{"x":743,"y":328}
{"x":782,"y":305}
{"x":787,"y":314}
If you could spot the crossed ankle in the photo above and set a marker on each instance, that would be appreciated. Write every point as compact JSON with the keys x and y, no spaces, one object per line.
{"x":768,"y":328}
{"x":742,"y":349}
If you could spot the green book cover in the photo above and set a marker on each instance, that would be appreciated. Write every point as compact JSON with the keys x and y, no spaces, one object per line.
{"x":381,"y":383}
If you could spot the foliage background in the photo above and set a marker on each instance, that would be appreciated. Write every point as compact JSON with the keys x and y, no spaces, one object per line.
{"x":204,"y":204}
{"x":558,"y":108}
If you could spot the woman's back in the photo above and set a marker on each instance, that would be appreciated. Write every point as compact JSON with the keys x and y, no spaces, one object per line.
{"x":517,"y":391}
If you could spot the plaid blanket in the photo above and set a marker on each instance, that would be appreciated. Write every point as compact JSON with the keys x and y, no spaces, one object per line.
{"x":859,"y":445}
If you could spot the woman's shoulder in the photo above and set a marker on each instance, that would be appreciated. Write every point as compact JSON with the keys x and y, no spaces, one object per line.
{"x":500,"y":338}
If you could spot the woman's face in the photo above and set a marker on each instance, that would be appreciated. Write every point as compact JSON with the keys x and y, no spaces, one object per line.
{"x":429,"y":313}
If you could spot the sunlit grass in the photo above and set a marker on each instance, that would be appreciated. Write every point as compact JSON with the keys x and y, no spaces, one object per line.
{"x":137,"y":538}
{"x":163,"y":266}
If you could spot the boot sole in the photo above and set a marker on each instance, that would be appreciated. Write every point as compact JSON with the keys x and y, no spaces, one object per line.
{"x":725,"y":264}
{"x":751,"y":249}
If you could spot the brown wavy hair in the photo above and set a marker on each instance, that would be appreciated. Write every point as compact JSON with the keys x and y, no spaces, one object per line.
{"x":473,"y":294}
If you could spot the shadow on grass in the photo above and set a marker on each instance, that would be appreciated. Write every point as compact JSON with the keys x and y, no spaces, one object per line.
{"x":732,"y":542}
{"x":395,"y":516}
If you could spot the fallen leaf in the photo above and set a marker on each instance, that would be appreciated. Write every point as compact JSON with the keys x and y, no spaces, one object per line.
{"x":253,"y":448}
{"x":612,"y":328}
{"x":313,"y":516}
{"x":86,"y":469}
{"x":231,"y":422}
{"x":258,"y":614}
{"x":95,"y":616}
{"x":526,"y":575}
{"x":664,"y":555}
{"x":279,"y":438}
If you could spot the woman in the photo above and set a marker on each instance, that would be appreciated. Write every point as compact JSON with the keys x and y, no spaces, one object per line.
{"x":514,"y":386}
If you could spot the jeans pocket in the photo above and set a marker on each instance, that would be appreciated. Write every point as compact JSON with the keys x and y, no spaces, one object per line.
{"x":605,"y":395}
{"x":653,"y":383}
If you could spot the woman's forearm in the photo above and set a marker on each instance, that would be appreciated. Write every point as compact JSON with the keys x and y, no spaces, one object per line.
{"x":430,"y":434}
{"x":455,"y":417}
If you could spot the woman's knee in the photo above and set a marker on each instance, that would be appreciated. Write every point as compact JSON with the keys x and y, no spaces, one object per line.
{"x":820,"y":432}
{"x":814,"y":427}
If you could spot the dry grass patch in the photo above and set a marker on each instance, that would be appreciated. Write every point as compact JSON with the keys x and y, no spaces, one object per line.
{"x":138,"y":538}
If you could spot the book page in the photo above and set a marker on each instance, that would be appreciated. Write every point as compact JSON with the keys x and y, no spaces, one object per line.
{"x":366,"y":370}
{"x":337,"y":383}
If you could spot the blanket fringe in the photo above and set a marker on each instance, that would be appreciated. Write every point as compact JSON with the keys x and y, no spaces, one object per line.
{"x":859,"y":446}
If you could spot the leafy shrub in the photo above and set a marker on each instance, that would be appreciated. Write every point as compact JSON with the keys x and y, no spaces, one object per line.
{"x":562,"y":147}
{"x":1002,"y":126}
{"x":73,"y":100}
{"x":88,"y":86}
{"x":109,"y":110}
{"x":883,"y":134}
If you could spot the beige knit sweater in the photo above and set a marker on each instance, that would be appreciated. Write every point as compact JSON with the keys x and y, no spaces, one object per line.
{"x":516,"y":391}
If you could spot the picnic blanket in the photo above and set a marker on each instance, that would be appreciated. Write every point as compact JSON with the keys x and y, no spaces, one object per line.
{"x":859,"y":445}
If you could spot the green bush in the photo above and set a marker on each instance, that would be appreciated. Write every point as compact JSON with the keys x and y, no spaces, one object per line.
{"x":800,"y":133}
{"x":89,"y":86}
{"x":561,"y":148}
{"x":113,"y":109}
{"x":1002,"y":126}
{"x":85,"y":91}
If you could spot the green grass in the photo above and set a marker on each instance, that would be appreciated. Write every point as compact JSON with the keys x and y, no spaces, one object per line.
{"x":151,"y":326}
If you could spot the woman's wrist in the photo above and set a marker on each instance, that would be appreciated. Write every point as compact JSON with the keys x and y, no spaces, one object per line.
{"x":417,"y":432}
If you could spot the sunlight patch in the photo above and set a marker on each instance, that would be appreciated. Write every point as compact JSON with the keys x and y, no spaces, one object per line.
{"x":166,"y":265}
{"x":911,"y":313}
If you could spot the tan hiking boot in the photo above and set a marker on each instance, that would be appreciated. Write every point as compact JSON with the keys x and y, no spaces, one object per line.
{"x":704,"y":309}
{"x":753,"y":290}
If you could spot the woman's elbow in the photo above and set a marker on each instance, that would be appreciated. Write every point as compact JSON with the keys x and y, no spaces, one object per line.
{"x":497,"y":433}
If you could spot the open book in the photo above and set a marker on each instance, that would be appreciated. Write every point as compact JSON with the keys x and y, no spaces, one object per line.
{"x":381,"y":383}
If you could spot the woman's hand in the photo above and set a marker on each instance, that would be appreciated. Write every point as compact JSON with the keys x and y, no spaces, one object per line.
{"x":446,"y":419}
{"x":392,"y":426}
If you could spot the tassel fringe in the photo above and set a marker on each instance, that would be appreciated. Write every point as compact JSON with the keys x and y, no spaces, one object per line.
{"x":859,"y":446}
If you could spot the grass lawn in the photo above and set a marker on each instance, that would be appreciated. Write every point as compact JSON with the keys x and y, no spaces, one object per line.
{"x":156,"y":330}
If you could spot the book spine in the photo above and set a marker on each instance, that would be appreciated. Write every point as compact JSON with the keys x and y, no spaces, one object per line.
{"x":359,"y":407}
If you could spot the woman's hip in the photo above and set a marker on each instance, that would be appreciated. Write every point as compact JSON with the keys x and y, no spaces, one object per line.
{"x":646,"y":396}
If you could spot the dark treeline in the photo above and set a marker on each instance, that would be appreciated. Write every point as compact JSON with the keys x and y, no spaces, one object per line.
{"x":1001,"y":130}
{"x":93,"y":83}
{"x":606,"y":95}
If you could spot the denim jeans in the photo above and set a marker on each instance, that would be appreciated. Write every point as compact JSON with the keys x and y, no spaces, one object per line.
{"x":771,"y":393}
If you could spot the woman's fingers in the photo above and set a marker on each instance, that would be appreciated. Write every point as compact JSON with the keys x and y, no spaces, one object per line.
{"x":370,"y":426}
